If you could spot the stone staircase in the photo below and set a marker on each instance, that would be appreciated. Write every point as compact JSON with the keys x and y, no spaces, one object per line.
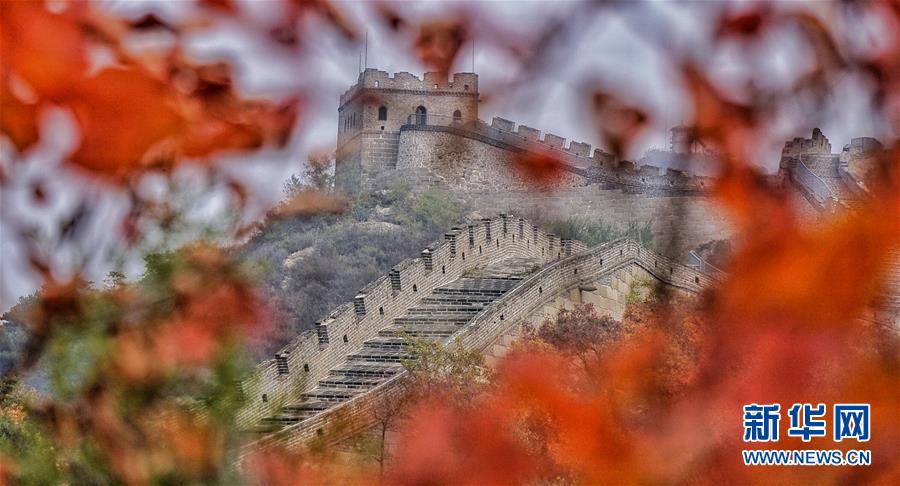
{"x":827,"y":168}
{"x":437,"y":316}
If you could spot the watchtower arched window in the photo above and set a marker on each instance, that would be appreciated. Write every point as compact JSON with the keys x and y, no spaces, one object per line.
{"x":457,"y":116}
{"x":421,"y":115}
{"x":382,"y":113}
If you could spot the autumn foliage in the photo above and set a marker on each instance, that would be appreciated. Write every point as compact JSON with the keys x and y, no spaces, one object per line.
{"x":133,"y":113}
{"x":657,"y":400}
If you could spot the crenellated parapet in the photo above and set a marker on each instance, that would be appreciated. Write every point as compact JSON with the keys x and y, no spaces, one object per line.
{"x":818,"y":144}
{"x":597,"y":166}
{"x":463,"y":84}
{"x":602,"y":166}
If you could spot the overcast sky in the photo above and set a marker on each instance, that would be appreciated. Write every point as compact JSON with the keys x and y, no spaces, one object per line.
{"x":601,"y":48}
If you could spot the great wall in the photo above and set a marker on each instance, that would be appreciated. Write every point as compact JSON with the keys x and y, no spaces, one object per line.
{"x":330,"y":379}
{"x":485,"y":278}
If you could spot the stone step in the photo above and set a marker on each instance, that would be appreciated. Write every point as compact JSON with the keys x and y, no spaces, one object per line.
{"x":437,"y":330}
{"x":381,"y":343}
{"x":407,"y":321}
{"x":368,"y":368}
{"x":379,"y":356}
{"x":482,"y":284}
{"x":451,"y":299}
{"x":469,"y":292}
{"x":303,"y":408}
{"x":280,"y":421}
{"x":353,"y":382}
{"x":330,"y":394}
{"x":429,"y":308}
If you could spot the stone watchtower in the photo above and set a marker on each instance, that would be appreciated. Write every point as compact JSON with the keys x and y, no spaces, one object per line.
{"x":373,"y":110}
{"x":683,"y":140}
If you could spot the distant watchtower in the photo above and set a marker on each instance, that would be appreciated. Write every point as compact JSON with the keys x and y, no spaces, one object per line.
{"x":373,"y":110}
{"x":683,"y":140}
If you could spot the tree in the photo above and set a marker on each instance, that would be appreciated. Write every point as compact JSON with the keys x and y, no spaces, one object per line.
{"x":580,"y":333}
{"x":318,"y":175}
{"x":389,"y":412}
{"x":114,"y":279}
{"x":450,"y":370}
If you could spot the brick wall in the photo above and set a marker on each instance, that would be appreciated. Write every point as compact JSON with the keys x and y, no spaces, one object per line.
{"x":493,"y":151}
{"x":463,"y":164}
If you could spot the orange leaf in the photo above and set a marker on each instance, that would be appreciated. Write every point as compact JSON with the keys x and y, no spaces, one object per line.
{"x":123,"y":113}
{"x":746,"y":24}
{"x":18,"y":120}
{"x":208,"y":135}
{"x":46,"y":50}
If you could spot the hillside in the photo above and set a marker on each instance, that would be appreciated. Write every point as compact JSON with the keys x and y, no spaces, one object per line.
{"x":308,"y":266}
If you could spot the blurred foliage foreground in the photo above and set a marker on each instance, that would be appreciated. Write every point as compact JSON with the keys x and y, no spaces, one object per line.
{"x":144,"y":375}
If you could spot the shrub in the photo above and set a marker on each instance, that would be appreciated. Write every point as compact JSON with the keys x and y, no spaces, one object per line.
{"x":593,"y":233}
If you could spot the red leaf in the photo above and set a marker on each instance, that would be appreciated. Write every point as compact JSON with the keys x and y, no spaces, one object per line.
{"x":123,"y":114}
{"x":18,"y":120}
{"x":46,"y":50}
{"x":620,"y":123}
{"x":438,"y":42}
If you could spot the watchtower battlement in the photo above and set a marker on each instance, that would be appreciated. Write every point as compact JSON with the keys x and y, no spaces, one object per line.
{"x":817,"y":145}
{"x":465,"y":84}
{"x":381,"y":103}
{"x":372,"y":111}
